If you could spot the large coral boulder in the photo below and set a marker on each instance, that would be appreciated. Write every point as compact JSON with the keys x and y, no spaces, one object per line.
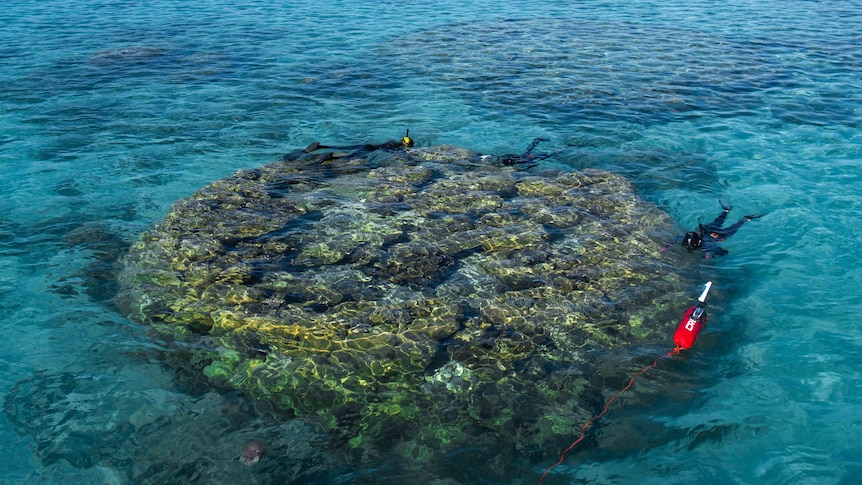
{"x":409,"y":297}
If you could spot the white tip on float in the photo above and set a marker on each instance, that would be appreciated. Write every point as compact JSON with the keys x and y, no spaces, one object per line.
{"x":706,"y":288}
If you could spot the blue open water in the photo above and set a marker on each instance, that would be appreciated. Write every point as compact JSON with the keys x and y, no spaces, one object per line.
{"x":112,"y":110}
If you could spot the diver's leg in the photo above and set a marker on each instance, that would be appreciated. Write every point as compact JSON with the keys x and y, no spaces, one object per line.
{"x":731,"y":230}
{"x":534,"y":144}
{"x":715,"y":225}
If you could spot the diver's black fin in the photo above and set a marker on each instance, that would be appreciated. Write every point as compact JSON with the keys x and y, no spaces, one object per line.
{"x":314,"y":146}
{"x":534,"y":144}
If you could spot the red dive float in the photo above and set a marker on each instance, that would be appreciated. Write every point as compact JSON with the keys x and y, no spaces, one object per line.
{"x":692,"y":322}
{"x":684,"y":337}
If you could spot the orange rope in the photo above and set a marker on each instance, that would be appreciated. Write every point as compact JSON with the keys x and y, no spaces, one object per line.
{"x":595,"y":418}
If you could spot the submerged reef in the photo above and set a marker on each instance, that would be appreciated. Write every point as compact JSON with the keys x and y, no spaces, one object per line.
{"x":410,"y":299}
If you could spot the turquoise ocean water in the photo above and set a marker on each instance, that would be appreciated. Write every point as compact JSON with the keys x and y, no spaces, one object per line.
{"x":112,"y":110}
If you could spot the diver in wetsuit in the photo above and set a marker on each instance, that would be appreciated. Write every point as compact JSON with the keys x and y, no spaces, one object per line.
{"x":528,"y":157}
{"x":405,"y":142}
{"x":352,"y":151}
{"x":706,"y":238}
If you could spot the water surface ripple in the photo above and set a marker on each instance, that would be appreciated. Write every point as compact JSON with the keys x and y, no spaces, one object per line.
{"x":112,"y":111}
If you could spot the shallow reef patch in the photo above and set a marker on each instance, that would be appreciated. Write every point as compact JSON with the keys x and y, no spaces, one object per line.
{"x":409,"y":299}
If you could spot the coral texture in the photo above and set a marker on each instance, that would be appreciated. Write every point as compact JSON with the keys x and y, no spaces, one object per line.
{"x":409,"y":297}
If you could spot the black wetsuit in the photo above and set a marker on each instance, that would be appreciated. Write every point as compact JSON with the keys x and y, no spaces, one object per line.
{"x":712,"y":234}
{"x":317,"y":153}
{"x":528,"y":159}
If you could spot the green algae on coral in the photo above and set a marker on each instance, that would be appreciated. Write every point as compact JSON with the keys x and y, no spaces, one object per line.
{"x":418,"y":295}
